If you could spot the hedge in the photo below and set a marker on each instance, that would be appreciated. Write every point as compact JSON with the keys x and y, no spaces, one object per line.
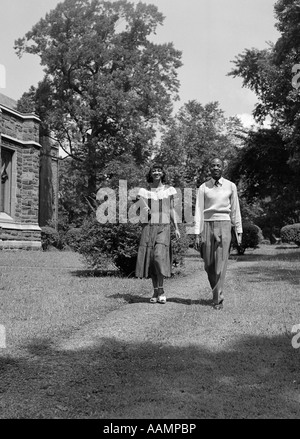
{"x":252,"y":236}
{"x":50,"y":238}
{"x":291,"y":233}
{"x":120,"y":242}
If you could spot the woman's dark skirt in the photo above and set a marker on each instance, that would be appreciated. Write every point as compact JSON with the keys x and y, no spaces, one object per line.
{"x":154,"y":250}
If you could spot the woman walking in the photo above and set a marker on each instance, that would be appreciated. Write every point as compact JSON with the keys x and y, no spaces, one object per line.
{"x":154,"y":257}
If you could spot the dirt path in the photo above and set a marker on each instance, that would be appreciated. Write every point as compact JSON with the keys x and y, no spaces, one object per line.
{"x":181,"y":360}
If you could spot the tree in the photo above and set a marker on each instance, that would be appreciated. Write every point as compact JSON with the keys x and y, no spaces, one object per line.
{"x":267,"y":184}
{"x":270,"y":73}
{"x":195,"y":135}
{"x":46,"y":190}
{"x":106,"y":84}
{"x":74,"y":205}
{"x":35,"y":101}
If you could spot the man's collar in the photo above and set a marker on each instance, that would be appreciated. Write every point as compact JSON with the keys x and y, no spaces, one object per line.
{"x":220,"y":181}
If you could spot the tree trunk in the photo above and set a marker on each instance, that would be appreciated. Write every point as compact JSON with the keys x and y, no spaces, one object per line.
{"x":46,"y":185}
{"x":92,"y":167}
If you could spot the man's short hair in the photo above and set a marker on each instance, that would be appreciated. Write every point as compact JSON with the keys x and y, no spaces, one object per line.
{"x":216,"y":158}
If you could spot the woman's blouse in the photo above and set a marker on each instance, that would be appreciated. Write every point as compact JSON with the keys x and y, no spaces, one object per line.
{"x":158,"y":203}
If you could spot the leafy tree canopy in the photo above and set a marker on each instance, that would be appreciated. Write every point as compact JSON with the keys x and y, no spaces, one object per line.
{"x":196,"y":134}
{"x":270,"y":74}
{"x":106,"y":83}
{"x":269,"y":166}
{"x":268,"y":186}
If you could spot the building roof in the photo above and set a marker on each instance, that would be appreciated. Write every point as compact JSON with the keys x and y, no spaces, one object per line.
{"x":8,"y":102}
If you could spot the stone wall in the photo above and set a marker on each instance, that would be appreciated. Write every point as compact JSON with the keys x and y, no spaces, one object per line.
{"x":22,"y":127}
{"x":29,"y":187}
{"x":19,"y":134}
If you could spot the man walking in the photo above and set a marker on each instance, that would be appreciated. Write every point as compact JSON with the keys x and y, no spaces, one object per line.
{"x":217,"y":211}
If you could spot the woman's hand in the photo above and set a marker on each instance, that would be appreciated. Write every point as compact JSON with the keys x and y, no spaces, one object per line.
{"x":177,"y":233}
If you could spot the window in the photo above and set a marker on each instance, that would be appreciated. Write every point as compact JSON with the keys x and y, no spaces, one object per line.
{"x":6,"y":177}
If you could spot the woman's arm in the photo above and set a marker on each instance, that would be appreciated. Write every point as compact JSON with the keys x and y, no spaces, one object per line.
{"x":174,"y":218}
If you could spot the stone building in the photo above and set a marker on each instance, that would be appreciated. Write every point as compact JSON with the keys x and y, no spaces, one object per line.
{"x":20,"y":177}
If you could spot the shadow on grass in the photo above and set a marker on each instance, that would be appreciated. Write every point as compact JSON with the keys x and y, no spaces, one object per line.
{"x":287,"y":269}
{"x":97,"y":273}
{"x":253,"y":377}
{"x":258,"y":273}
{"x":117,"y":273}
{"x":131,"y":298}
{"x":287,"y":247}
{"x":288,"y":256}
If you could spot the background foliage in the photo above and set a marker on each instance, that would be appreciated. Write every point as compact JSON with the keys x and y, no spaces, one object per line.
{"x":107,"y":98}
{"x":291,"y":234}
{"x":119,"y":242}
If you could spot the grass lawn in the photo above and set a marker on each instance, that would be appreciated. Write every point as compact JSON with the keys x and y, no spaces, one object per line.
{"x":48,"y":293}
{"x":80,"y":345}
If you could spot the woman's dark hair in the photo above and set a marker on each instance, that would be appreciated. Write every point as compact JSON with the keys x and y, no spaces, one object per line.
{"x":149,"y":177}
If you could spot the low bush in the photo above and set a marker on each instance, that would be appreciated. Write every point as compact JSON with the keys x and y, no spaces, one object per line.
{"x":180,"y":246}
{"x":73,"y":237}
{"x":191,"y":239}
{"x":119,"y":242}
{"x":252,"y":236}
{"x":50,"y":237}
{"x":291,"y":234}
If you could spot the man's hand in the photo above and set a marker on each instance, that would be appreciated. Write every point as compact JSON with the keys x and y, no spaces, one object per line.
{"x":239,"y":238}
{"x":177,"y":233}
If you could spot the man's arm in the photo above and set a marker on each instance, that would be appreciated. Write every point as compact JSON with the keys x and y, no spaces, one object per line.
{"x":236,"y":219}
{"x":199,"y":208}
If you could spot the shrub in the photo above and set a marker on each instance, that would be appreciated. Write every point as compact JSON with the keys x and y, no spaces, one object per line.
{"x":179,"y":246}
{"x":73,"y":237}
{"x":50,"y":237}
{"x":252,"y":236}
{"x":291,"y":233}
{"x":119,"y":242}
{"x":191,"y":239}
